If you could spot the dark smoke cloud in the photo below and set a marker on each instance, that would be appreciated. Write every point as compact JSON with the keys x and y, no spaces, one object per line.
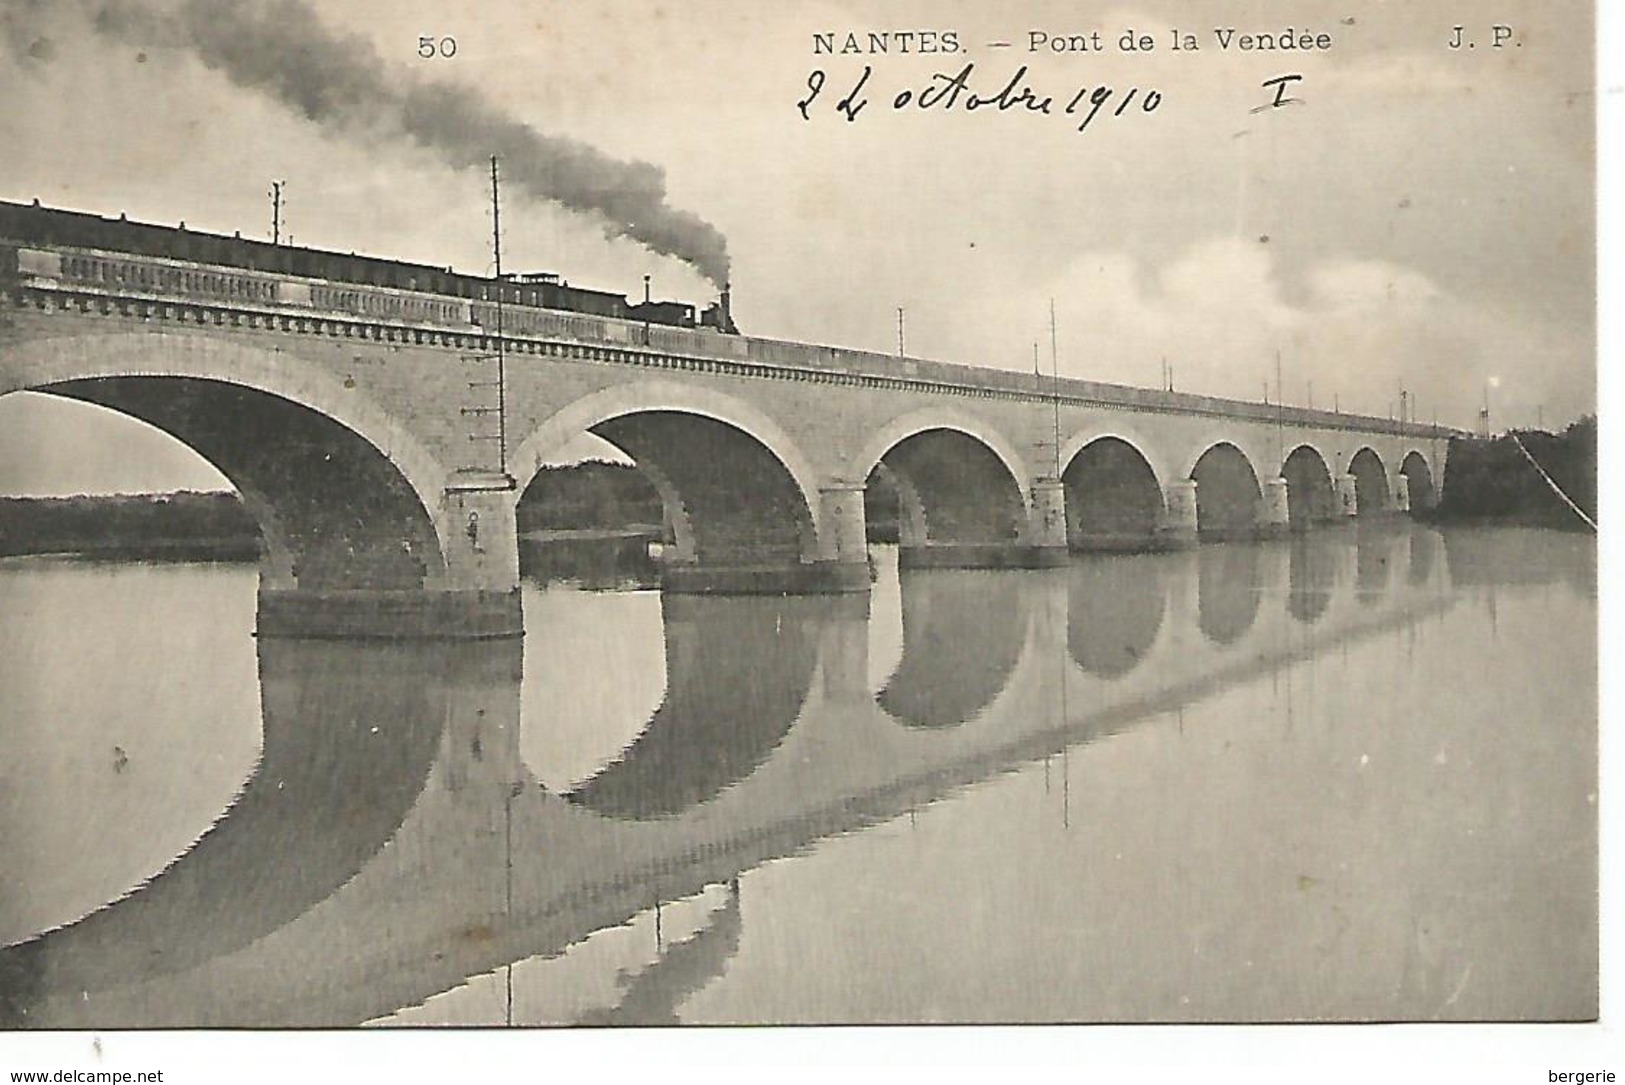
{"x":279,"y":48}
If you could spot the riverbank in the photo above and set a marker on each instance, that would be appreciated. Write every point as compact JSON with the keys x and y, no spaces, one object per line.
{"x":183,"y":526}
{"x":1489,"y":480}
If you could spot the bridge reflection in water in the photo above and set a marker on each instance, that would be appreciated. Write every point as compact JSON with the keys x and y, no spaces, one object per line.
{"x":393,"y":845}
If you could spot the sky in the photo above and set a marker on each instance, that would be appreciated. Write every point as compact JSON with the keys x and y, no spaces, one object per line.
{"x":1421,"y":218}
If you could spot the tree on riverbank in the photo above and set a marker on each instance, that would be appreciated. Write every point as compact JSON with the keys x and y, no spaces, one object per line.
{"x":589,"y":495}
{"x":1491,"y":479}
{"x":209,"y":524}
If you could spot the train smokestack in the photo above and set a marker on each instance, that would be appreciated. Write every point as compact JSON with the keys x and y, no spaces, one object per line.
{"x":646,"y":298}
{"x":719,"y":313}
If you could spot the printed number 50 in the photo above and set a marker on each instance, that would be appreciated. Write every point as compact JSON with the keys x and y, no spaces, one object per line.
{"x":429,"y":46}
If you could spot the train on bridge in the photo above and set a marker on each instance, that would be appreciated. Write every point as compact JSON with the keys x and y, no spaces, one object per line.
{"x":23,"y":225}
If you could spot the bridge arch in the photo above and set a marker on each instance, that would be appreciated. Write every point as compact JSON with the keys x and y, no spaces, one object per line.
{"x":1371,"y":487}
{"x":1227,"y":492}
{"x":1310,"y":495}
{"x":1418,"y":475}
{"x":1120,"y":429}
{"x":345,"y":496}
{"x":901,"y":428}
{"x":764,"y":505}
{"x":1113,"y":495}
{"x":957,"y":481}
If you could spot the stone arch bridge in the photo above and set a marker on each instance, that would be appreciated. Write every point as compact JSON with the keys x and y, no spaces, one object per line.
{"x":356,"y":422}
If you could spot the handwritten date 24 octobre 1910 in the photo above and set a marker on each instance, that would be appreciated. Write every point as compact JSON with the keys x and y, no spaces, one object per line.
{"x":944,"y":92}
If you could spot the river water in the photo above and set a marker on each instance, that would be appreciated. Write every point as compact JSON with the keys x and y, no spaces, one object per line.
{"x":1349,"y":777}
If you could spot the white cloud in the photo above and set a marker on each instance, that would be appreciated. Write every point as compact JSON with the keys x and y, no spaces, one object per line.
{"x":1366,"y":329}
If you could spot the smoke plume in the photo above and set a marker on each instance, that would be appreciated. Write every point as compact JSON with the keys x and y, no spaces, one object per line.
{"x":279,"y":48}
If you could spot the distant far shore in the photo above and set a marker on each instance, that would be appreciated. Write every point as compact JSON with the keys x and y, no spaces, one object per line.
{"x":183,"y":526}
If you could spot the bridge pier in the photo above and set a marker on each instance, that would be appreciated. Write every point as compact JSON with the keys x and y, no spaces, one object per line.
{"x":1177,"y":528}
{"x":1348,"y":495}
{"x":1047,"y":524}
{"x":845,"y":538}
{"x":1273,"y":514}
{"x":475,"y":597}
{"x":844,"y":653}
{"x":1402,"y":495}
{"x":840,"y":564}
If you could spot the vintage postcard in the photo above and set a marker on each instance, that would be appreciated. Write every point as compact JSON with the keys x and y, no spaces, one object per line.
{"x":594,"y":516}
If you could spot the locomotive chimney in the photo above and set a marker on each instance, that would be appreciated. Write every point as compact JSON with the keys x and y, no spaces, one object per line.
{"x":725,"y":302}
{"x":646,"y":298}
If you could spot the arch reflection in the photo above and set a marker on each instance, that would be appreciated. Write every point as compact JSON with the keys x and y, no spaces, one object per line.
{"x":1373,"y":555}
{"x":1115,"y":609}
{"x":485,"y":874}
{"x":1228,"y":581}
{"x":963,"y":631}
{"x":651,"y":997}
{"x":1311,"y":576}
{"x":738,"y":670}
{"x":352,"y":731}
{"x":1425,"y":547}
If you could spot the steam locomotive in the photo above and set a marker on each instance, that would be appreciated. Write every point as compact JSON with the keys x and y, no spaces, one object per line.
{"x":32,"y":224}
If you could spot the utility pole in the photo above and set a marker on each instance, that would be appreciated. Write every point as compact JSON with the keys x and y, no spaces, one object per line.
{"x":1055,"y":373}
{"x":1280,"y":406}
{"x":483,"y":408}
{"x":899,"y":331}
{"x":276,"y":211}
{"x":492,"y":332}
{"x":648,"y":300}
{"x":502,"y":369}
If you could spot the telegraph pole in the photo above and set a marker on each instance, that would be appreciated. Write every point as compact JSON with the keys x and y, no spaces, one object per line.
{"x":502,"y":369}
{"x":1280,"y":406}
{"x":1055,"y":374}
{"x":276,"y":211}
